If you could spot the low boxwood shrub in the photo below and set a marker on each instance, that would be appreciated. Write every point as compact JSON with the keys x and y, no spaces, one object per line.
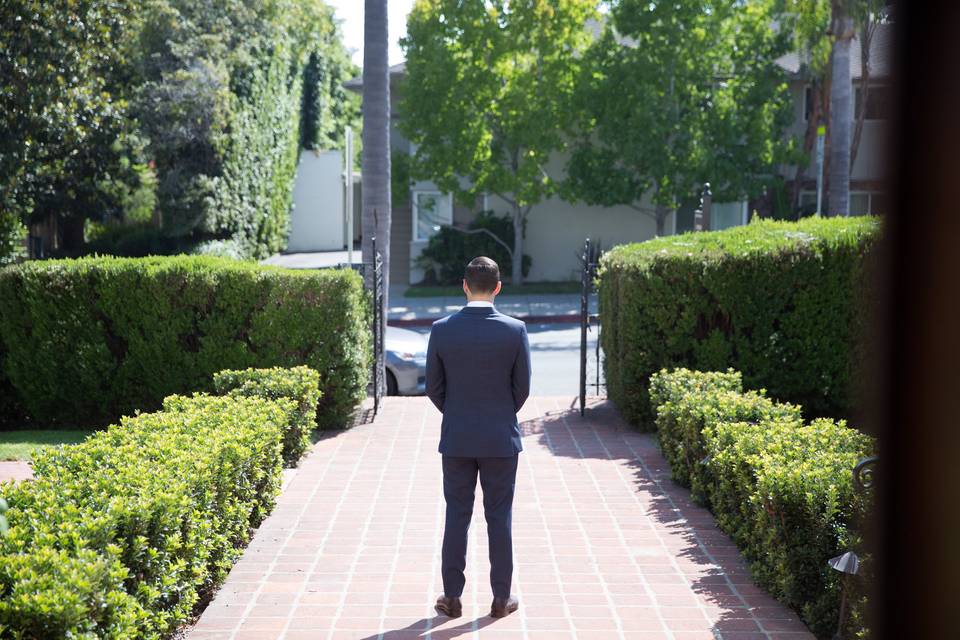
{"x":85,"y":341}
{"x":690,"y":405}
{"x":298,"y":383}
{"x":784,"y":303}
{"x":780,"y":487}
{"x":118,"y":537}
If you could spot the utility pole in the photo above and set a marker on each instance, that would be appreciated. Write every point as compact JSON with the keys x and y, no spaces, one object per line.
{"x":821,"y":134}
{"x":348,"y":190}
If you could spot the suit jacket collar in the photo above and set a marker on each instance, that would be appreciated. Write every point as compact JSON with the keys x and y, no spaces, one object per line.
{"x":478,"y":311}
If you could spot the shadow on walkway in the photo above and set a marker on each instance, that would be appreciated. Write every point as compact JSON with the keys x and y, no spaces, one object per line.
{"x":421,"y":628}
{"x":707,"y":558}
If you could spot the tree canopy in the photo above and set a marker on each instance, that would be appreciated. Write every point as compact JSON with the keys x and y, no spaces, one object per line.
{"x":487,"y":95}
{"x":677,"y":94}
{"x":66,"y":144}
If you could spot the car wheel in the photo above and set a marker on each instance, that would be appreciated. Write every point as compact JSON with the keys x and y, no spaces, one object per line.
{"x":392,"y":385}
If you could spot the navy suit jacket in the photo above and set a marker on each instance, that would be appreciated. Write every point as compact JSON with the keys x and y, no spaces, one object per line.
{"x":478,"y":376}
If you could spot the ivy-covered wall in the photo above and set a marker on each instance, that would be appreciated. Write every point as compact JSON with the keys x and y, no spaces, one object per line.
{"x":165,"y":126}
{"x":231,"y":91}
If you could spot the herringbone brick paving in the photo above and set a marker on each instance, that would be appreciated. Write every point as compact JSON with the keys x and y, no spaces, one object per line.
{"x":605,"y":544}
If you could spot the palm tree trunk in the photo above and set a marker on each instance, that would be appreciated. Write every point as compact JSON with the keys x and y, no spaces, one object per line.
{"x":841,"y":112}
{"x":375,"y":162}
{"x":376,"y":138}
{"x":867,"y":30}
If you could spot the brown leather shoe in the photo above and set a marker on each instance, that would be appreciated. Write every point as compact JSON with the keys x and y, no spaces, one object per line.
{"x":449,"y":607}
{"x":503,"y":607}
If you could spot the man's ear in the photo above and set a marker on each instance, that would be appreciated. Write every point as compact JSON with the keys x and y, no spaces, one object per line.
{"x":499,"y":286}
{"x":466,"y":289}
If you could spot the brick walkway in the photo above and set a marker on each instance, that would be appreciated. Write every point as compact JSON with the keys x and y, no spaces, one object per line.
{"x":605,"y":545}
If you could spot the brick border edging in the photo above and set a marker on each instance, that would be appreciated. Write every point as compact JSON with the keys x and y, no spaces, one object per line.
{"x":570,"y":318}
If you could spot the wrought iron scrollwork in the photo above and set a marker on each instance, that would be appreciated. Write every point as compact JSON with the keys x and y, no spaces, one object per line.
{"x":863,"y":478}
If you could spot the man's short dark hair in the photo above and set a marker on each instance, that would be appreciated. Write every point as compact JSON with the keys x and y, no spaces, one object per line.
{"x":482,"y":275}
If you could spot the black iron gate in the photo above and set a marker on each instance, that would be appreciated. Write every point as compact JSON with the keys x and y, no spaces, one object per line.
{"x":589,"y":259}
{"x":379,"y":326}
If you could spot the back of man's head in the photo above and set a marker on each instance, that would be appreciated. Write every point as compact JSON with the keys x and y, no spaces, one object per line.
{"x":482,"y":275}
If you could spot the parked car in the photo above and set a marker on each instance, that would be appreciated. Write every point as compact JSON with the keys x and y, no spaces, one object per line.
{"x":406,"y":362}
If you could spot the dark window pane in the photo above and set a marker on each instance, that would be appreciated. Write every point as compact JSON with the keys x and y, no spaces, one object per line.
{"x":879,"y":204}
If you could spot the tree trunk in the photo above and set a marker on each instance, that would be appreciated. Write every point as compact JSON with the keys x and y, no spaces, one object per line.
{"x":814,"y":120}
{"x":866,"y":38}
{"x":71,"y":234}
{"x":661,"y":219}
{"x":841,"y":112}
{"x":376,"y":139}
{"x":516,"y":264}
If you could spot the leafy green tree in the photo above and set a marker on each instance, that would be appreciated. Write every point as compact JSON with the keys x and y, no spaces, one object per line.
{"x":68,"y":149}
{"x":487,"y":96}
{"x":677,"y":94}
{"x":11,"y":237}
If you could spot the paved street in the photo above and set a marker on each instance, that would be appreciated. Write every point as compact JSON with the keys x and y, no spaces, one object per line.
{"x":606,"y":545}
{"x":555,"y":351}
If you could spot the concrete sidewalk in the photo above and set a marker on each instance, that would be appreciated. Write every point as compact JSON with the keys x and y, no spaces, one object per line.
{"x":533,"y":308}
{"x":15,"y":470}
{"x":606,"y":546}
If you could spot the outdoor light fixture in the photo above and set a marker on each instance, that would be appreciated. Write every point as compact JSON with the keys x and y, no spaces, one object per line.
{"x":848,"y":564}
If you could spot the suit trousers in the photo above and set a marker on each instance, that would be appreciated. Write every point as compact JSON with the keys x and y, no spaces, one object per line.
{"x":498,"y":477}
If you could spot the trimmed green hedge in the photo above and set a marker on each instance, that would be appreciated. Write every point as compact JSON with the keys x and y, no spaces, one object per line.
{"x":785,"y":303}
{"x":781,"y":488}
{"x":116,"y":536}
{"x":301,"y":383}
{"x":120,"y":536}
{"x":85,"y":341}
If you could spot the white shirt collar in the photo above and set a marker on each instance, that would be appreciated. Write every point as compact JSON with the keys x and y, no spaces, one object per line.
{"x":480,"y":303}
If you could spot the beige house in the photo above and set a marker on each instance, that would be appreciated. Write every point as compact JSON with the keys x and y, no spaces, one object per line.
{"x":556,"y":229}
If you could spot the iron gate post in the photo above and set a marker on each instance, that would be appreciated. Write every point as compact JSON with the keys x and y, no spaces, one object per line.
{"x":584,"y":319}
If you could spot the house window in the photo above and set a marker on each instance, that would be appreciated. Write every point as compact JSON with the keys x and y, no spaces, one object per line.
{"x":861,"y":203}
{"x":723,"y":215}
{"x":431,"y":210}
{"x":878,"y":102}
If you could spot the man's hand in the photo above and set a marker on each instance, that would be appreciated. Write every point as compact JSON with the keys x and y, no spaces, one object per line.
{"x":436,"y":379}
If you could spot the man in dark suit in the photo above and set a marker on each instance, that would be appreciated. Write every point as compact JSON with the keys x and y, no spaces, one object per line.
{"x":478,"y":376}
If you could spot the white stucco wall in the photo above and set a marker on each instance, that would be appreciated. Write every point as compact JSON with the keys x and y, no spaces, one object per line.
{"x":556,"y":231}
{"x":871,"y":160}
{"x":316,"y":223}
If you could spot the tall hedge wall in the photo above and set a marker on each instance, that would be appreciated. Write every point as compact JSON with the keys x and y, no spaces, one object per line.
{"x":85,"y":341}
{"x":785,"y":303}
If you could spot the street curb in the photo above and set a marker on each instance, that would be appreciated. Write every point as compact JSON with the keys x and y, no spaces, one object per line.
{"x":570,"y":318}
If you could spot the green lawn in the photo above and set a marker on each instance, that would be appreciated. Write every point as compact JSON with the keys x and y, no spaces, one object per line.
{"x":529,"y":288}
{"x":20,"y":444}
